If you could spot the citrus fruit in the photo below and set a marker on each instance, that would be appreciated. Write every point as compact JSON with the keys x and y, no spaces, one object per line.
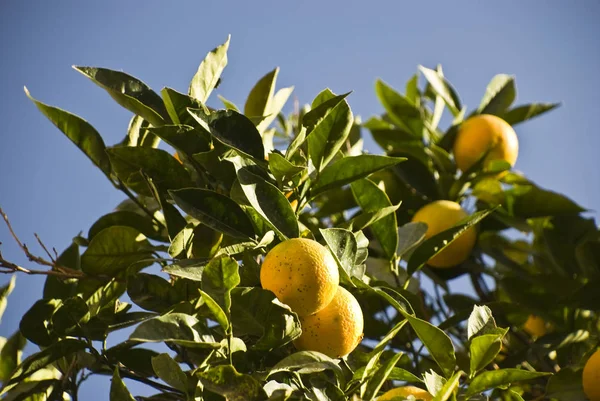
{"x":481,"y":133}
{"x":335,"y":330}
{"x":440,"y":216}
{"x":302,"y":274}
{"x":535,"y":326}
{"x":591,"y":377}
{"x":401,"y":393}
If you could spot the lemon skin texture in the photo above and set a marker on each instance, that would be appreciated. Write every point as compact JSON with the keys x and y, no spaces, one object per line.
{"x":334,"y":331}
{"x":480,"y":133}
{"x":302,"y":274}
{"x":591,"y":377}
{"x":440,"y":216}
{"x":401,"y":393}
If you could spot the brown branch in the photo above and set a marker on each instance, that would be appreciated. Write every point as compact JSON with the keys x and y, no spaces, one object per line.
{"x":37,"y":237}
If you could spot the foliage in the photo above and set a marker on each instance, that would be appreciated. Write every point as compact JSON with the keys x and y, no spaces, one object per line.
{"x":248,"y":181}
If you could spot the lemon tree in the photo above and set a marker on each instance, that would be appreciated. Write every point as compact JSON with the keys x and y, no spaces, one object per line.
{"x":191,"y":288}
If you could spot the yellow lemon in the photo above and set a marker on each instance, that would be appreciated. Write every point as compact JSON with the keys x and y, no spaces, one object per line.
{"x":440,"y":216}
{"x":591,"y":377}
{"x":335,"y":330}
{"x":535,"y":326}
{"x":401,"y":393}
{"x":481,"y":133}
{"x":302,"y":274}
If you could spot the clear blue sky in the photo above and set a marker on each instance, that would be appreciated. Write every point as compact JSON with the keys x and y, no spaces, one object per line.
{"x":48,"y":186}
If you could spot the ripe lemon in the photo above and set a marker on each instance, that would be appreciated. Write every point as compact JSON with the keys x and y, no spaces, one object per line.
{"x":480,"y":133}
{"x":440,"y":216}
{"x":302,"y":274}
{"x":335,"y":330}
{"x":591,"y":377}
{"x":535,"y":326}
{"x":401,"y":393}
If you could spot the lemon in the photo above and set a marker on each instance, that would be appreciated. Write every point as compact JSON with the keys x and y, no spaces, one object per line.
{"x":440,"y":216}
{"x":535,"y":326}
{"x":591,"y":377}
{"x":334,"y":331}
{"x":302,"y":274}
{"x":401,"y":393}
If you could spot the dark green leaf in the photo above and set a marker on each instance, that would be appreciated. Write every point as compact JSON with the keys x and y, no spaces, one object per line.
{"x":328,"y":126}
{"x":343,"y":246}
{"x":215,"y":210}
{"x":566,"y":385}
{"x":184,"y":138}
{"x":192,"y":269}
{"x":409,"y":236}
{"x":226,"y":381}
{"x":533,"y":201}
{"x":401,"y":111}
{"x":45,"y":357}
{"x":209,"y":72}
{"x":217,"y":311}
{"x":256,"y":312}
{"x":526,"y":112}
{"x":164,"y":170}
{"x":177,"y":105}
{"x":118,"y":390}
{"x":151,"y":292}
{"x":139,"y":135}
{"x":494,"y":378}
{"x":439,"y":242}
{"x":499,"y":95}
{"x":141,"y":223}
{"x":281,"y":168}
{"x":442,"y":88}
{"x":232,"y":129}
{"x":307,"y":362}
{"x":79,"y":131}
{"x":11,"y":350}
{"x":59,"y":288}
{"x":136,"y":359}
{"x":350,"y":169}
{"x":179,"y":328}
{"x":170,"y":372}
{"x":114,"y":249}
{"x":35,"y":324}
{"x":371,"y":198}
{"x":73,"y":312}
{"x":129,"y":92}
{"x":270,"y":203}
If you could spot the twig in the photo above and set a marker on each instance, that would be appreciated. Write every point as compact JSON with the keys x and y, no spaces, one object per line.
{"x":37,"y":237}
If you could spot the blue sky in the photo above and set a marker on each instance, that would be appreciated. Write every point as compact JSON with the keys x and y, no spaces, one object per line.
{"x":47,"y":186}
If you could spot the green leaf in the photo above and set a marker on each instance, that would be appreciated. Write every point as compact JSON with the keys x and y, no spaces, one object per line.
{"x":79,"y":131}
{"x":228,"y":104}
{"x":73,"y":312}
{"x":170,"y":372}
{"x":480,"y":321}
{"x":434,"y":382}
{"x":484,"y":349}
{"x":219,"y":277}
{"x":118,"y":390}
{"x":499,"y":95}
{"x":141,"y":223}
{"x":179,"y":328}
{"x":449,"y":387}
{"x":11,"y":350}
{"x":409,"y":236}
{"x":59,"y":288}
{"x":36,"y":325}
{"x":533,"y":201}
{"x":270,"y":203}
{"x":185,"y":139}
{"x":380,"y":376}
{"x":438,"y":344}
{"x":215,"y":210}
{"x":343,"y":246}
{"x":226,"y":381}
{"x":439,"y":242}
{"x":114,"y":249}
{"x":307,"y":362}
{"x":136,"y":359}
{"x":526,"y":112}
{"x":263,"y":101}
{"x":328,"y":126}
{"x":54,"y":352}
{"x":494,"y":378}
{"x":177,"y":105}
{"x":401,"y":111}
{"x":209,"y":72}
{"x":192,"y":269}
{"x":443,"y":89}
{"x":130,"y":93}
{"x":151,"y":292}
{"x":5,"y":292}
{"x":350,"y":169}
{"x":371,"y":198}
{"x":566,"y":385}
{"x":217,"y":311}
{"x":232,"y":129}
{"x":256,"y":312}
{"x":281,"y":168}
{"x":139,"y":135}
{"x":165,"y":171}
